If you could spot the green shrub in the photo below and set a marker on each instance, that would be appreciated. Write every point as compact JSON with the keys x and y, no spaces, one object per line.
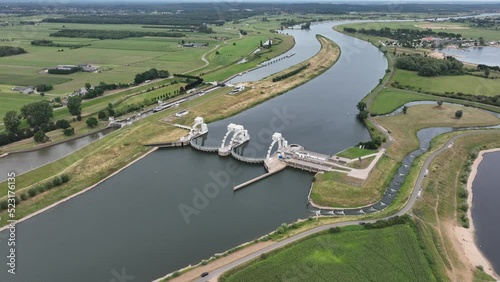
{"x":4,"y":205}
{"x":57,"y":181}
{"x":65,"y":177}
{"x":24,"y":197}
{"x":41,"y":188}
{"x":49,"y":185}
{"x":32,"y":192}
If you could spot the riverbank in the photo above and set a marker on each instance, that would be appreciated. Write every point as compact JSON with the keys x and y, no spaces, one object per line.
{"x":466,"y":237}
{"x":104,"y":157}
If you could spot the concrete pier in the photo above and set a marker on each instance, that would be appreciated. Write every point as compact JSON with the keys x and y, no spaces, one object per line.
{"x":273,"y":165}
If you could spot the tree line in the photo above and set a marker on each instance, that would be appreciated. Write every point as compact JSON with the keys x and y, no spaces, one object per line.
{"x":289,"y":74}
{"x":111,"y":34}
{"x":427,"y":66}
{"x":50,"y":43}
{"x":11,"y":50}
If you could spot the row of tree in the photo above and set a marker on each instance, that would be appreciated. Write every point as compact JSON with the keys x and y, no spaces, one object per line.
{"x":11,"y":50}
{"x":427,"y":66}
{"x":50,"y":43}
{"x":289,"y":74}
{"x":111,"y":34}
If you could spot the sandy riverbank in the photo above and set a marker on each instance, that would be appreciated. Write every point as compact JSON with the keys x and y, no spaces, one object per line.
{"x":466,"y":237}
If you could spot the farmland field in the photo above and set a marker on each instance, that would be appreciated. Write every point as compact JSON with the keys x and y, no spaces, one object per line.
{"x":466,"y":84}
{"x":11,"y":100}
{"x":388,"y":254}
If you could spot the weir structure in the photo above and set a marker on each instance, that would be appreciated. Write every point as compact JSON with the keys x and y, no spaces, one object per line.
{"x":239,"y":137}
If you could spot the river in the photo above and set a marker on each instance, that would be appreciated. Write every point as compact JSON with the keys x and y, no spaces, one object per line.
{"x":24,"y":162}
{"x":489,"y":56}
{"x":132,"y":222}
{"x":485,"y":208}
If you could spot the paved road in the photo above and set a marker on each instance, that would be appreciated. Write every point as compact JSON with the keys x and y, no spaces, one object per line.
{"x":213,"y":276}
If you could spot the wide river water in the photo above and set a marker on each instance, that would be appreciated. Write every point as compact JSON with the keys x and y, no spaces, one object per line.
{"x":485,"y":208}
{"x":133,"y":222}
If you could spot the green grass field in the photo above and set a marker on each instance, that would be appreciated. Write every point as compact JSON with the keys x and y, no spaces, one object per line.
{"x":389,"y":99}
{"x":466,"y":84}
{"x":388,"y":254}
{"x":11,"y":100}
{"x":355,"y":152}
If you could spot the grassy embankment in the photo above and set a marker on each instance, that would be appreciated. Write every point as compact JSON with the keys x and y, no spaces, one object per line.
{"x":338,"y":190}
{"x":355,"y":152}
{"x":353,"y":254}
{"x":107,"y":155}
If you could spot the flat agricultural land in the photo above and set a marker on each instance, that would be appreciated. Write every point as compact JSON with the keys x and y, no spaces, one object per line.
{"x":11,"y":100}
{"x":466,"y":84}
{"x":120,"y":60}
{"x":388,"y":254}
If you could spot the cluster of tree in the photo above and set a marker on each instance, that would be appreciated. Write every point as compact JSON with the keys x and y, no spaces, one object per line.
{"x":74,"y":105}
{"x":482,"y":67}
{"x":44,"y":87}
{"x":306,"y":26}
{"x":427,"y":66}
{"x":37,"y":189}
{"x":291,"y":73}
{"x":12,"y":120}
{"x":150,"y":75}
{"x":37,"y":113}
{"x":205,"y":29}
{"x":193,"y":82}
{"x":110,"y":34}
{"x":50,"y":43}
{"x":373,"y":144}
{"x":11,"y":50}
{"x":92,"y":122}
{"x":243,"y":32}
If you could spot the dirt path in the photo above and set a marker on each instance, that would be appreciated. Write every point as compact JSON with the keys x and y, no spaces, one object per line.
{"x":204,"y":59}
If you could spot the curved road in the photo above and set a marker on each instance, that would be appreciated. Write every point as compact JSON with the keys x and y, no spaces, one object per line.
{"x":214,"y":275}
